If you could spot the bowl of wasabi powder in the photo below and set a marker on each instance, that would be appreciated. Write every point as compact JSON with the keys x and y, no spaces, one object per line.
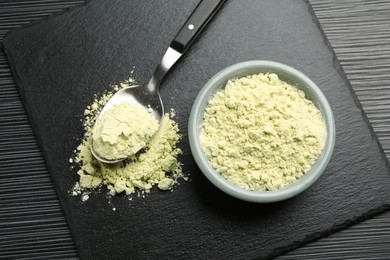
{"x":261,"y":131}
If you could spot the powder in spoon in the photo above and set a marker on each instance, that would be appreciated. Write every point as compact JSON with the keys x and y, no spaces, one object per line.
{"x":261,"y":133}
{"x":123,"y":130}
{"x":157,"y":165}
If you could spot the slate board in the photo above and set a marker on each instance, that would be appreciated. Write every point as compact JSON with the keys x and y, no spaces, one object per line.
{"x":60,"y":63}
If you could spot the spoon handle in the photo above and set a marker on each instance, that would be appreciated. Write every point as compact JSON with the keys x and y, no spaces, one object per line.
{"x":203,"y":12}
{"x":187,"y":34}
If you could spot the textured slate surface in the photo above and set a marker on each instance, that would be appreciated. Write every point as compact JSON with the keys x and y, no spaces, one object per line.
{"x":32,"y":222}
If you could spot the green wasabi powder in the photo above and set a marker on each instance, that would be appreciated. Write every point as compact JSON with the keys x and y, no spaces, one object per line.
{"x":123,"y":130}
{"x":157,"y":165}
{"x":261,"y":133}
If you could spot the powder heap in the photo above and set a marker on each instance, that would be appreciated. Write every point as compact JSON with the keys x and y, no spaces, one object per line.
{"x":157,"y":165}
{"x":261,"y":133}
{"x":123,"y":130}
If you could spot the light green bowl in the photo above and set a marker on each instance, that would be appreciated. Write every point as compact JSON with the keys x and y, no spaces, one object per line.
{"x":285,"y":73}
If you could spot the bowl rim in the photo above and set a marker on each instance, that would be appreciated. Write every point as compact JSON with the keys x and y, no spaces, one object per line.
{"x":216,"y":83}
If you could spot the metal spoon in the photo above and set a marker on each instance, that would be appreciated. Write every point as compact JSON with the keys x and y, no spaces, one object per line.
{"x":148,"y":95}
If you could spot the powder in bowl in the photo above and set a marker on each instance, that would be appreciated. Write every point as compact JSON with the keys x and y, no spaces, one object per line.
{"x":261,"y":133}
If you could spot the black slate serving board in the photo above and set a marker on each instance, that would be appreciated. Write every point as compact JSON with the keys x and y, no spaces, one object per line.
{"x":60,"y":63}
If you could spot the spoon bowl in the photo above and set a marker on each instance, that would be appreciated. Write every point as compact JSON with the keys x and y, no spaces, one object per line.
{"x":146,"y":96}
{"x":140,"y":95}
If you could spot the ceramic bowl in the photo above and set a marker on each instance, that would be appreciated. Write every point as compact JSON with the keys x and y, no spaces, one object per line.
{"x":285,"y":73}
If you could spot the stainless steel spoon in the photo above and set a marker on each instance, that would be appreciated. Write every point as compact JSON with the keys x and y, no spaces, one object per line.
{"x":149,"y":95}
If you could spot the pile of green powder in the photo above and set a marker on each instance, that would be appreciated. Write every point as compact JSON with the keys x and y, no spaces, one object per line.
{"x":157,"y":165}
{"x":261,"y":133}
{"x":123,"y":130}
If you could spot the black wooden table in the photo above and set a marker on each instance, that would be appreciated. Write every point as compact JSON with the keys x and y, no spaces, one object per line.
{"x":32,"y":224}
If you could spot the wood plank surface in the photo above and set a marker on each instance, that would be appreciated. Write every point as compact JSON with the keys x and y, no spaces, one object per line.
{"x":32,"y":225}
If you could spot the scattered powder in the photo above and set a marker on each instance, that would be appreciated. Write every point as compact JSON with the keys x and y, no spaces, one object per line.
{"x":157,"y":165}
{"x":85,"y":197}
{"x":123,"y":130}
{"x":261,"y":133}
